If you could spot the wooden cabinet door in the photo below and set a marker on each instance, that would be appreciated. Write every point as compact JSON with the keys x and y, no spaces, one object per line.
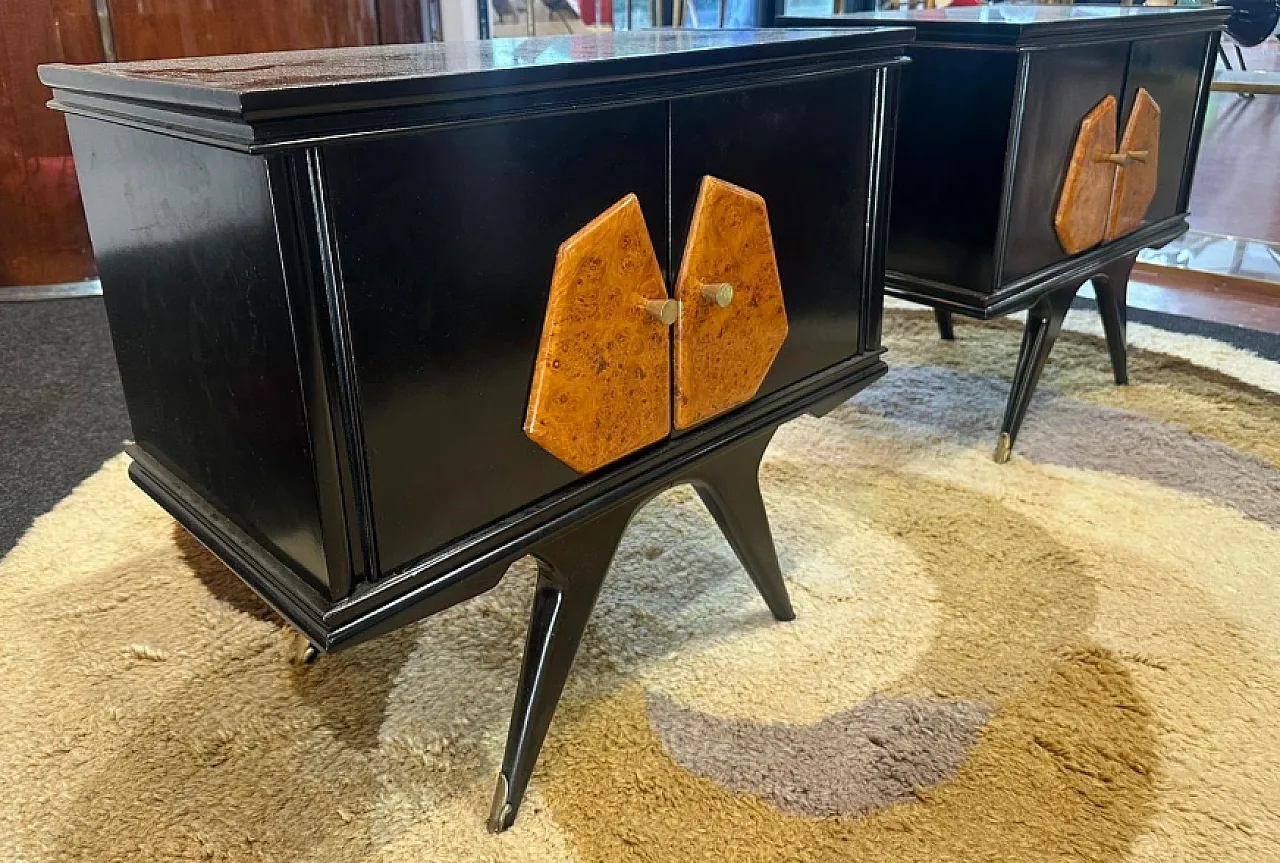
{"x":1108,"y":188}
{"x":1169,"y":70}
{"x":1081,"y":217}
{"x":805,"y":146}
{"x":601,"y":385}
{"x":1063,"y":85}
{"x":732,"y":321}
{"x":1139,"y":167}
{"x":448,"y":247}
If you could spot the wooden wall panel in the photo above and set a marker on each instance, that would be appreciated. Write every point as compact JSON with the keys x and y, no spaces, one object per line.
{"x":400,"y":22}
{"x":153,"y":29}
{"x":43,"y":238}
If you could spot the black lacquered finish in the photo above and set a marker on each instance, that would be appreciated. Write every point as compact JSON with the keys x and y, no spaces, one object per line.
{"x":990,"y":109}
{"x":327,"y":274}
{"x":203,"y":331}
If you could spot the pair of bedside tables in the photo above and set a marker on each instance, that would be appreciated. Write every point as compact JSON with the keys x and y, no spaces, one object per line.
{"x":389,"y":319}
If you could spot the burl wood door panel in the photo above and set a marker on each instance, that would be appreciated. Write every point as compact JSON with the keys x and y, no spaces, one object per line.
{"x":1138,"y":174}
{"x":448,"y":246}
{"x":732,"y":319}
{"x":1081,"y":216}
{"x":602,"y":384}
{"x":810,"y":165}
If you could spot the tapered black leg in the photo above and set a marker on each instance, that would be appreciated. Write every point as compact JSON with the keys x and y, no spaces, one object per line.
{"x":1044,"y":322}
{"x":1111,"y":287}
{"x":946,"y":330}
{"x":729,"y":485}
{"x":571,"y":569}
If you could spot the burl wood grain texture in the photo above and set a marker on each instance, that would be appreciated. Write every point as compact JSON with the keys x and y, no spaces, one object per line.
{"x":1081,"y":218}
{"x":601,"y":385}
{"x":722,"y":353}
{"x":1136,"y":180}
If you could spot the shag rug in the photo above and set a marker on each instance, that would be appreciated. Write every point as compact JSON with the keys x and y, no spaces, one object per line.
{"x":1071,"y":657}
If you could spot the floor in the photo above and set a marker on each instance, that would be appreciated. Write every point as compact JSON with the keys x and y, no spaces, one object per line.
{"x":1220,"y":255}
{"x":1237,"y":183}
{"x":62,"y":410}
{"x":1235,"y":199}
{"x":1206,"y":298}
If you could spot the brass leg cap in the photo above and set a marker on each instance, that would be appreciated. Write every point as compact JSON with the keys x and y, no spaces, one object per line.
{"x":1004,"y":446}
{"x":500,"y":811}
{"x":298,"y":650}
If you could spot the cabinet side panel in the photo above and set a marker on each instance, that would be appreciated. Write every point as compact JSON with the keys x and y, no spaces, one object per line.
{"x":195,"y":294}
{"x":953,"y":130}
{"x":1063,"y":85}
{"x":1169,"y":69}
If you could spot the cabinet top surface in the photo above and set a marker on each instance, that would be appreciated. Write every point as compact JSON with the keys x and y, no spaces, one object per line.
{"x":1016,"y":23}
{"x":296,"y":81}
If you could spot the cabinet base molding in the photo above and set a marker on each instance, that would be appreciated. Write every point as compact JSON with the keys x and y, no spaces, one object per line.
{"x":571,"y":570}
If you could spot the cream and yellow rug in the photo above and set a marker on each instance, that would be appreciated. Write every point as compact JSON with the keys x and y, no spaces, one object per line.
{"x":1071,"y":657}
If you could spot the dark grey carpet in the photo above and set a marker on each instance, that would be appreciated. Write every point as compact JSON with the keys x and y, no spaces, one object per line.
{"x":62,"y":411}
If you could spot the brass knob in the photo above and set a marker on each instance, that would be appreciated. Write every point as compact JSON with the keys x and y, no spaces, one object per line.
{"x":721,"y":294}
{"x":664,"y":311}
